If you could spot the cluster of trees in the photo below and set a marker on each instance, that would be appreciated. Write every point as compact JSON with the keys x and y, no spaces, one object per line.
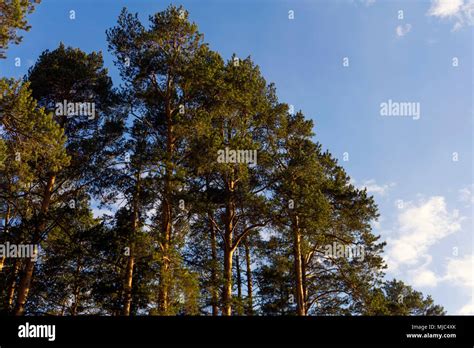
{"x":188,"y":234}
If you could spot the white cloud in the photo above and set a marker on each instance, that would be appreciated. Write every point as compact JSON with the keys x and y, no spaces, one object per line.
{"x":110,"y":209}
{"x":460,"y":272}
{"x":423,"y":277}
{"x":363,"y":2}
{"x":468,"y":308}
{"x":466,"y":194}
{"x":445,"y":8}
{"x":459,"y":10}
{"x":377,"y":224}
{"x":420,"y":226}
{"x":402,"y":30}
{"x":374,"y":188}
{"x":98,"y":213}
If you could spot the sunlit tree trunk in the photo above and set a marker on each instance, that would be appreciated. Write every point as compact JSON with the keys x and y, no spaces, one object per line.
{"x":300,"y":302}
{"x":214,"y":283}
{"x":249,"y":279}
{"x":228,"y":250}
{"x":239,"y":283}
{"x":128,"y":282}
{"x":25,"y":280}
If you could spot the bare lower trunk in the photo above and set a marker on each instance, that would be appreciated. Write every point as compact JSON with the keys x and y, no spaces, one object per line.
{"x":128,"y":282}
{"x":305,"y":289}
{"x":227,"y":291}
{"x":163,"y":291}
{"x":163,"y":294}
{"x":228,"y":250}
{"x":214,"y":285}
{"x":239,"y":284}
{"x":298,"y":268}
{"x":166,"y":213}
{"x":27,"y":276}
{"x":77,"y":289}
{"x":5,"y":231}
{"x":75,"y":306}
{"x":249,"y":280}
{"x":12,"y":285}
{"x":24,"y":287}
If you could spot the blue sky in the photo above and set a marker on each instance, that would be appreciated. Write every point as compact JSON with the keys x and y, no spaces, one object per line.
{"x":425,"y":195}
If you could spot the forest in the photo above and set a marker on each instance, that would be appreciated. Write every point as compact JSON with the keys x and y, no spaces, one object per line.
{"x":222,"y":202}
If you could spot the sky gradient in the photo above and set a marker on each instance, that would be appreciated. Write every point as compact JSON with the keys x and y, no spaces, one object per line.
{"x":419,"y":171}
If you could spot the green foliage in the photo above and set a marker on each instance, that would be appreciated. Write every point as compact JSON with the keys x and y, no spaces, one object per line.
{"x":397,"y":298}
{"x":179,"y":214}
{"x":29,"y":132}
{"x":13,"y":18}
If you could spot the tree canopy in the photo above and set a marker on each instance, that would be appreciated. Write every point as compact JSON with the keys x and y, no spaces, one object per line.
{"x":218,"y":198}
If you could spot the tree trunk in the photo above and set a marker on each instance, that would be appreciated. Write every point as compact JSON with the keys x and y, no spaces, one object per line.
{"x":77,"y":289}
{"x":127,"y":303}
{"x":214,"y":285}
{"x":128,"y":282}
{"x":249,"y":280}
{"x":305,"y":288}
{"x":25,"y":281}
{"x":239,"y":283}
{"x":298,"y":268}
{"x":75,"y":305}
{"x":227,"y":291}
{"x":166,"y":214}
{"x":228,"y":250}
{"x":24,"y":287}
{"x":12,"y":284}
{"x":163,"y":295}
{"x":5,"y":231}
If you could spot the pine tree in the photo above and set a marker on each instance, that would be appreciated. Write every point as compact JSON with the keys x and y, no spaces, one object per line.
{"x":71,"y":76}
{"x":240,"y":120}
{"x":394,"y":297}
{"x":35,"y":148}
{"x":156,"y":64}
{"x":13,"y":18}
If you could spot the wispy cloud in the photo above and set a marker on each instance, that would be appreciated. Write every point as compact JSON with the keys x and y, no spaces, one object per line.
{"x":374,"y":188}
{"x":468,"y":308}
{"x":363,"y":2}
{"x":423,"y":277}
{"x":459,"y":272}
{"x":402,"y":30}
{"x":459,"y":10}
{"x":419,"y":227}
{"x":466,"y":194}
{"x":445,"y":8}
